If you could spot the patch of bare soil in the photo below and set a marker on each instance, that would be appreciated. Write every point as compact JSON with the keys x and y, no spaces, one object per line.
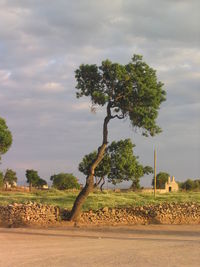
{"x":142,"y":245}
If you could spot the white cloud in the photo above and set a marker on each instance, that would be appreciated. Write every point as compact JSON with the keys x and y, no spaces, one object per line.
{"x":4,"y":75}
{"x":81,"y":106}
{"x":52,"y":87}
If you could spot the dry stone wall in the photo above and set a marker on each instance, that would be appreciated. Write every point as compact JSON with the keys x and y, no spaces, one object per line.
{"x":44,"y":215}
{"x":166,"y":213}
{"x":28,"y":214}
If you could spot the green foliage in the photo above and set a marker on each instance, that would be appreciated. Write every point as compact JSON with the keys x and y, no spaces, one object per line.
{"x":10,"y":177}
{"x":64,"y":181}
{"x":101,"y":170}
{"x":96,"y":200}
{"x":5,"y":137}
{"x":190,"y":185}
{"x":123,"y":162}
{"x":131,"y":90}
{"x":140,"y":172}
{"x":197,"y":184}
{"x":32,"y":177}
{"x":161,"y":179}
{"x":1,"y":179}
{"x":40,"y":183}
{"x":119,"y":164}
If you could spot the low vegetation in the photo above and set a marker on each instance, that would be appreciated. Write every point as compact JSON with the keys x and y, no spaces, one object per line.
{"x":190,"y":185}
{"x":96,"y":200}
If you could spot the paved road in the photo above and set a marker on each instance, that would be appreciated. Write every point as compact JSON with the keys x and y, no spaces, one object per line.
{"x":144,"y":246}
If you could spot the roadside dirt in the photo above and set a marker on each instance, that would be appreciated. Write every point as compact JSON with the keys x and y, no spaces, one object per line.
{"x":142,"y":245}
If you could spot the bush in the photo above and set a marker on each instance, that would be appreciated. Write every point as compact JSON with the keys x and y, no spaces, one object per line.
{"x":190,"y":185}
{"x":64,"y":181}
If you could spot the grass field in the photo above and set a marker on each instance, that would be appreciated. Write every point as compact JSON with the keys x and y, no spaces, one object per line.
{"x":96,"y":200}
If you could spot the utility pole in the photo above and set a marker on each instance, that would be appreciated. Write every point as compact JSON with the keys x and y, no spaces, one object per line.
{"x":154,"y":172}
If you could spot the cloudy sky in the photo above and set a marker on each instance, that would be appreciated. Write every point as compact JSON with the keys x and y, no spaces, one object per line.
{"x":42,"y":43}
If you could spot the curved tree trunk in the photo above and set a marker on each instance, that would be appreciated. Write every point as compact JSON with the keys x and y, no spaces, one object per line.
{"x":89,"y":186}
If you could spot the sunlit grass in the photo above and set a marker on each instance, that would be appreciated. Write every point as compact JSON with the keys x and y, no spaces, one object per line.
{"x":96,"y":200}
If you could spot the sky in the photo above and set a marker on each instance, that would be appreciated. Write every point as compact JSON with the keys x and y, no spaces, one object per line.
{"x":43,"y":42}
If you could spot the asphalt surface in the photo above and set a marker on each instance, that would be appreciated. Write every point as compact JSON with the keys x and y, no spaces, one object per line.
{"x":150,"y":245}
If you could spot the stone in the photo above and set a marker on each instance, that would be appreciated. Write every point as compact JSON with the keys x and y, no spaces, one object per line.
{"x":105,"y":209}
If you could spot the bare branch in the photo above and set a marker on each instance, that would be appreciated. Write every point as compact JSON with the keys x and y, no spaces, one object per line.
{"x":98,"y":182}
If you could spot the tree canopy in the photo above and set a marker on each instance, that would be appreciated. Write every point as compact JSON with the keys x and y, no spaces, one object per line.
{"x":140,"y":172}
{"x":32,"y":178}
{"x":123,"y":161}
{"x":118,"y":164}
{"x":10,"y":177}
{"x":5,"y":137}
{"x":161,"y":179}
{"x":101,"y":170}
{"x":131,"y":90}
{"x":64,"y":181}
{"x":40,"y":183}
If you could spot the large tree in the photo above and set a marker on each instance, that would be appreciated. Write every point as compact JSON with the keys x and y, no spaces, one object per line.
{"x":118,"y":164}
{"x":5,"y":137}
{"x":128,"y":91}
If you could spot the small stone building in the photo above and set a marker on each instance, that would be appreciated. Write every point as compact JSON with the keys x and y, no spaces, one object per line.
{"x":171,"y":185}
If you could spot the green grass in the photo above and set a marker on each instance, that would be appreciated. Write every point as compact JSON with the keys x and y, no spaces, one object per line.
{"x":96,"y":200}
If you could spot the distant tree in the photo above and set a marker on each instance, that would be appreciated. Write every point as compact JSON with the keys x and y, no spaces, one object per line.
{"x":190,"y":185}
{"x":197,"y":184}
{"x":64,"y":181}
{"x":118,"y":164}
{"x":40,"y":183}
{"x":1,"y":179}
{"x":128,"y":91}
{"x":32,"y":178}
{"x":161,"y":179}
{"x":10,"y":177}
{"x":5,"y":137}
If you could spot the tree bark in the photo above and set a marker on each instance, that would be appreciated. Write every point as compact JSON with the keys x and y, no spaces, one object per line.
{"x":89,"y":186}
